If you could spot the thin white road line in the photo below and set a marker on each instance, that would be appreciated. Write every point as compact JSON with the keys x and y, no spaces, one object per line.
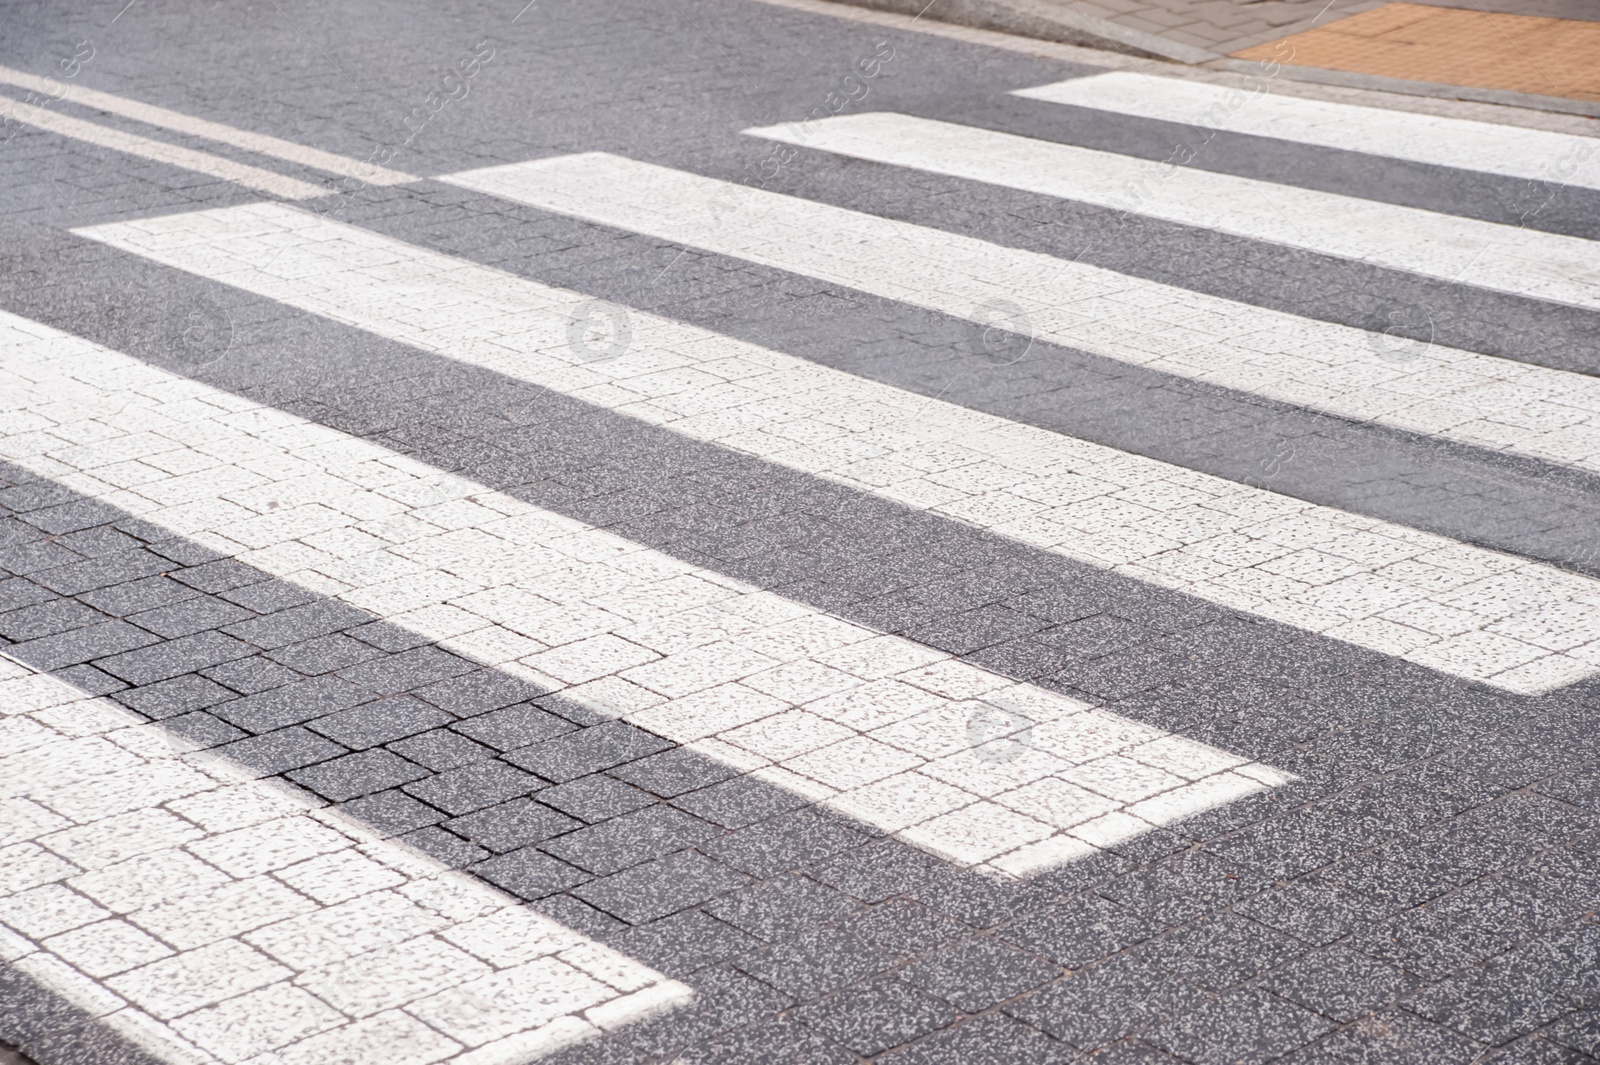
{"x":159,"y":151}
{"x":1485,"y":147}
{"x":259,"y":143}
{"x":878,"y":726}
{"x":1473,"y":613}
{"x":1456,"y":395}
{"x":1525,"y":262}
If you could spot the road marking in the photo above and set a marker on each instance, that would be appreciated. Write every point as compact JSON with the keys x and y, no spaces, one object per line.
{"x":963,"y":762}
{"x":206,"y":916}
{"x":259,"y":143}
{"x":1473,"y":613}
{"x":1526,"y":262}
{"x":1435,"y":391}
{"x":172,"y":155}
{"x":1512,"y":151}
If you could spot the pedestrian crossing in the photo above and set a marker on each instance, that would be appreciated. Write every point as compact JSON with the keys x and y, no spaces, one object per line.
{"x":1005,"y":775}
{"x":1521,"y":261}
{"x":1522,"y":409}
{"x":1464,"y":144}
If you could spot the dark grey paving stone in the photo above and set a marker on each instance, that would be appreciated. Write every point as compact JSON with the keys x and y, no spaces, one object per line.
{"x":903,"y":927}
{"x":629,"y":839}
{"x":325,"y":654}
{"x":1223,"y":951}
{"x":673,"y":772}
{"x":513,"y":727}
{"x":256,"y":674}
{"x":190,"y":616}
{"x":1107,"y":1002}
{"x":739,"y":802}
{"x":100,"y":643}
{"x":478,"y":692}
{"x":282,"y":751}
{"x":406,"y":670}
{"x":293,"y":704}
{"x":1580,"y":1032}
{"x":440,"y":749}
{"x":90,"y":680}
{"x":1314,"y":910}
{"x":47,"y":618}
{"x":789,"y":841}
{"x":878,"y":1017}
{"x":983,"y":902}
{"x":815,"y":963}
{"x":587,"y":750}
{"x":781,"y":1042}
{"x":299,"y":623}
{"x":201,"y":730}
{"x":978,"y":974}
{"x":358,"y":774}
{"x":874,"y":872}
{"x":991,"y":1040}
{"x":782,"y":907}
{"x":684,"y":942}
{"x":1244,"y":1026}
{"x":1464,"y":928}
{"x":379,"y":722}
{"x":511,"y":825}
{"x":661,"y":887}
{"x":596,"y":797}
{"x":391,"y":813}
{"x":580,"y":916}
{"x":1340,"y":983}
{"x":445,"y":847}
{"x":529,"y":873}
{"x":1393,"y":1038}
{"x":176,"y":696}
{"x":724,"y":1001}
{"x":472,"y":787}
{"x":1079,"y":930}
{"x":1521,"y":991}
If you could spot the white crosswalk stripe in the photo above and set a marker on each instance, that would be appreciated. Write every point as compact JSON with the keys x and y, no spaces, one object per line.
{"x":1512,"y":151}
{"x":1525,"y":262}
{"x":1469,"y":612}
{"x":206,"y":916}
{"x":1458,"y":395}
{"x":956,"y":759}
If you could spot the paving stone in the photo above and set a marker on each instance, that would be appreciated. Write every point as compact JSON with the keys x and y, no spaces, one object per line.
{"x":513,"y":727}
{"x":511,"y":825}
{"x":878,"y":1017}
{"x":471,"y":787}
{"x":596,"y":797}
{"x":355,"y":775}
{"x":587,"y":750}
{"x":976,"y":975}
{"x":661,"y":887}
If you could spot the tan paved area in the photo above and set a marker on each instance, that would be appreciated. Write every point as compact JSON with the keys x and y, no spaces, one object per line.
{"x":1491,"y":50}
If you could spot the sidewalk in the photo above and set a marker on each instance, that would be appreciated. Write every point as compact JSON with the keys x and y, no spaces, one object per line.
{"x":1493,"y":48}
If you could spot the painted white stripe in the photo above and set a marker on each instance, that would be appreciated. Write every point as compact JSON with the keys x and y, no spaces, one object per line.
{"x":1512,"y":151}
{"x":1469,"y":612}
{"x":1526,"y":262}
{"x":151,"y":115}
{"x":963,"y":762}
{"x":210,"y":917}
{"x":158,"y":151}
{"x":1457,"y":395}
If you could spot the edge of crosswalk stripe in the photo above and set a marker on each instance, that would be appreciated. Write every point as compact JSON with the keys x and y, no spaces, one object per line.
{"x":1467,"y":251}
{"x":1229,"y":544}
{"x":216,"y":166}
{"x":1456,"y":395}
{"x":274,"y":908}
{"x":1467,"y":144}
{"x":896,"y":748}
{"x":260,"y":143}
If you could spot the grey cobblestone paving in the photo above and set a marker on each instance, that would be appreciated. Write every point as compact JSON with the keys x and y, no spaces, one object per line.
{"x":1425,"y":888}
